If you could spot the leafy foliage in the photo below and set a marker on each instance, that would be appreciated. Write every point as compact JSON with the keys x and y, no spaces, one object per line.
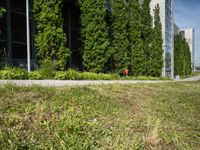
{"x":94,"y":34}
{"x":34,"y":75}
{"x":2,"y":11}
{"x":50,"y":38}
{"x":147,"y":35}
{"x":156,"y":54}
{"x":182,"y":56}
{"x":68,"y":75}
{"x":120,"y":41}
{"x":48,"y":69}
{"x":136,"y":53}
{"x":13,"y":73}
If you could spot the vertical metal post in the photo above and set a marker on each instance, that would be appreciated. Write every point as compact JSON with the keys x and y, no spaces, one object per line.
{"x":172,"y":31}
{"x":28,"y":36}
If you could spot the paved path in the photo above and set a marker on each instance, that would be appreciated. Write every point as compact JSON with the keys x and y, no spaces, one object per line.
{"x":196,"y":78}
{"x":60,"y":83}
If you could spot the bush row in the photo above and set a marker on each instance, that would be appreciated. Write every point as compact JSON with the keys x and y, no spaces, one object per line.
{"x":18,"y":73}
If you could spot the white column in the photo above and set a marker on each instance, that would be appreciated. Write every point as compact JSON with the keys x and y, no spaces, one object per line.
{"x":28,"y":36}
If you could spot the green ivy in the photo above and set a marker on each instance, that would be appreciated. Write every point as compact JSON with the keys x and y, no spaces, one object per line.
{"x":94,"y":34}
{"x":50,"y":39}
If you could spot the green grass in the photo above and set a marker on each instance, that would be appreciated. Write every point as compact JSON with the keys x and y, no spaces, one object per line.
{"x":140,"y":116}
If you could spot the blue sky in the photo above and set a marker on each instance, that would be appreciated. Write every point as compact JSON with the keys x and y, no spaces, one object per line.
{"x":187,"y":15}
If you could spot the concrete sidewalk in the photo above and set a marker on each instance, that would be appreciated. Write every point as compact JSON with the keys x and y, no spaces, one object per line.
{"x":196,"y":78}
{"x":61,"y":83}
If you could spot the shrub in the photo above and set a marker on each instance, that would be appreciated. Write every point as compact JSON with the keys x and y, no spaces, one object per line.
{"x":68,"y":75}
{"x":73,"y":75}
{"x":89,"y":76}
{"x":48,"y":69}
{"x":13,"y":73}
{"x":116,"y":76}
{"x":5,"y":74}
{"x":60,"y":75}
{"x":35,"y":75}
{"x":102,"y":76}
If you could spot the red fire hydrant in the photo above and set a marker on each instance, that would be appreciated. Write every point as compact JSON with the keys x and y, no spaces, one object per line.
{"x":126,"y":72}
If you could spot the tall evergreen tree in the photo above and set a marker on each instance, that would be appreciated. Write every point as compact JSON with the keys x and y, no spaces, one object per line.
{"x":147,"y":34}
{"x":182,"y":56}
{"x":178,"y":55}
{"x":188,"y":61}
{"x":156,"y":54}
{"x":94,"y":34}
{"x":50,"y":38}
{"x":120,"y":42}
{"x":136,"y":53}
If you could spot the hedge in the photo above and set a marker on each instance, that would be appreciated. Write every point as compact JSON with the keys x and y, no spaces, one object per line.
{"x":21,"y":74}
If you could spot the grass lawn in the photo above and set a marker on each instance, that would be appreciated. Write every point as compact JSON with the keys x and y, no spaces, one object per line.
{"x":140,"y":116}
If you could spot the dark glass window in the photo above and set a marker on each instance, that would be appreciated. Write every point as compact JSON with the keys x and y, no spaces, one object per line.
{"x":75,"y":38}
{"x":18,"y":5}
{"x":2,"y":48}
{"x":18,"y":25}
{"x":19,"y":50}
{"x":3,"y":3}
{"x":3,"y":28}
{"x":3,"y":22}
{"x":72,"y":25}
{"x":76,"y":59}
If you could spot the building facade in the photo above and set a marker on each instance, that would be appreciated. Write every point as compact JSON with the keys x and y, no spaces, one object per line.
{"x":176,"y":29}
{"x":167,"y":21}
{"x":189,"y":35}
{"x":13,"y":38}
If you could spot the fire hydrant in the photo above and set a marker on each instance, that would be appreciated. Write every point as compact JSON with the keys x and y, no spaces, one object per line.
{"x":126,"y":72}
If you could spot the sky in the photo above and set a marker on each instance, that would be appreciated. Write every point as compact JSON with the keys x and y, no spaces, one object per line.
{"x":187,"y":15}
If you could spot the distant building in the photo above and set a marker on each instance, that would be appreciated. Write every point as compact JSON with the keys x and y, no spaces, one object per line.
{"x":167,"y":20}
{"x":189,"y":35}
{"x":176,"y":29}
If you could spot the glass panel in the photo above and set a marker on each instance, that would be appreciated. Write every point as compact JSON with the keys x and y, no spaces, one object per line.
{"x":18,"y":5}
{"x":18,"y":23}
{"x":19,"y":50}
{"x":3,"y":22}
{"x":2,"y":48}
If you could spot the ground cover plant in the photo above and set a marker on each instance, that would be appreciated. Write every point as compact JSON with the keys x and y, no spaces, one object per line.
{"x":47,"y":72}
{"x":140,"y":116}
